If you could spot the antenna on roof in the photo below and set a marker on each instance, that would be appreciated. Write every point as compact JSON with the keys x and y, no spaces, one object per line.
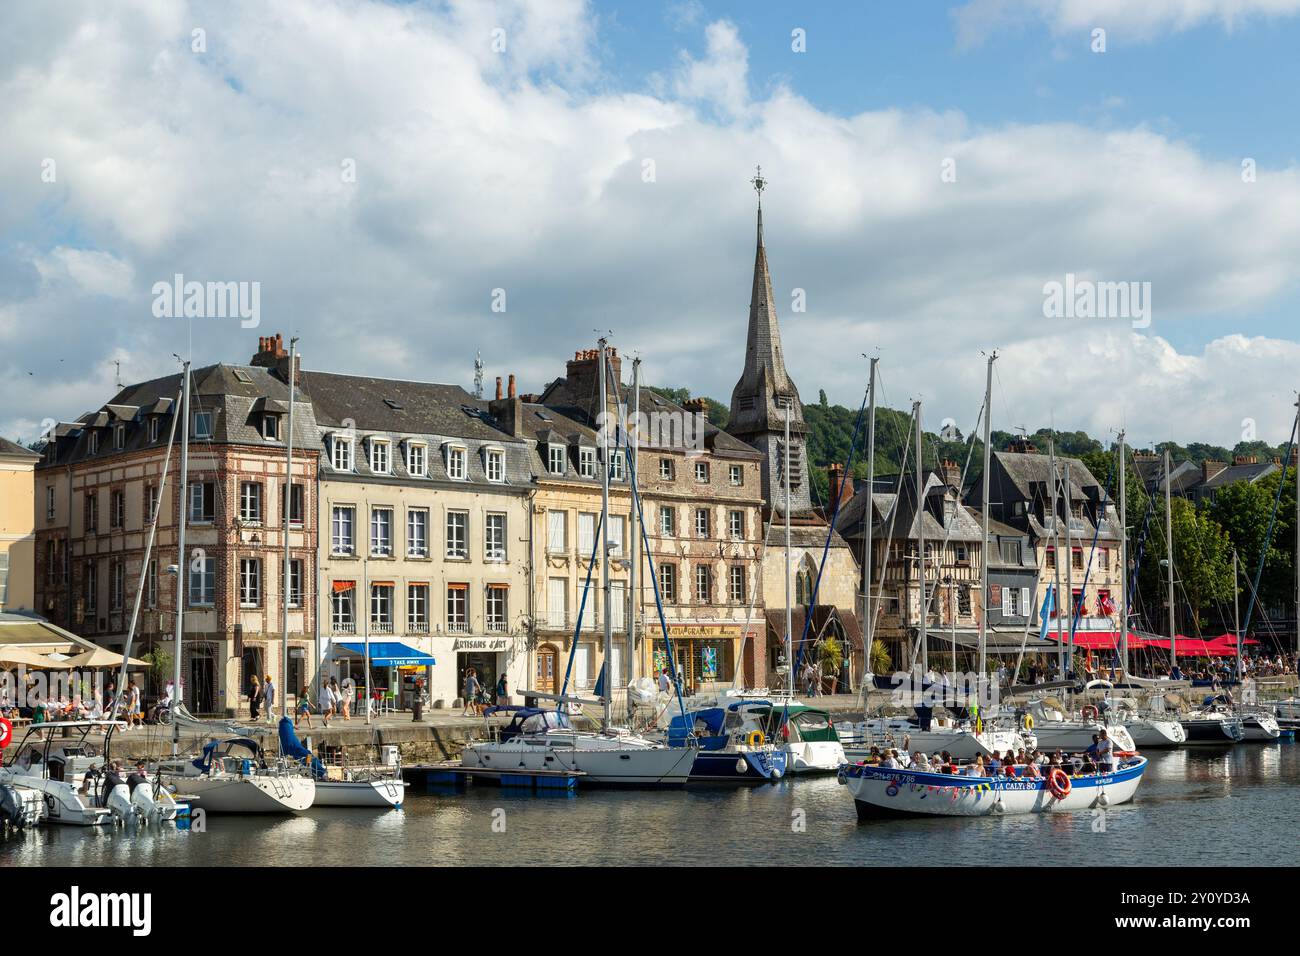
{"x":118,"y":375}
{"x":478,"y":374}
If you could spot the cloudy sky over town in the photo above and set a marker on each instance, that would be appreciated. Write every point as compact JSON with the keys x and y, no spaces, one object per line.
{"x":382,"y":169}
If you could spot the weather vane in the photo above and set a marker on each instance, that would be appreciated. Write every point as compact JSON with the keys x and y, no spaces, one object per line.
{"x":759,"y":183}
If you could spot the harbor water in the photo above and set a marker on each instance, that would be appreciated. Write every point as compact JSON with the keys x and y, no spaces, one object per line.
{"x":1194,"y":808}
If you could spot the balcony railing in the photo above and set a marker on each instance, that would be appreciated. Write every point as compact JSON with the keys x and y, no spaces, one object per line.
{"x":381,"y":627}
{"x":458,"y":627}
{"x":344,"y":627}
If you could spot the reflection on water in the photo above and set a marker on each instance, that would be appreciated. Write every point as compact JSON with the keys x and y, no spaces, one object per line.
{"x":1194,"y":808}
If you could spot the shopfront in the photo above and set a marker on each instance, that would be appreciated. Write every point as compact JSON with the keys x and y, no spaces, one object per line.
{"x":705,"y":654}
{"x":487,"y":655}
{"x":394,"y":669}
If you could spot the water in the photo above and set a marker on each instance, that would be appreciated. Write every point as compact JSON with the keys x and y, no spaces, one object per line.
{"x":1194,"y":808}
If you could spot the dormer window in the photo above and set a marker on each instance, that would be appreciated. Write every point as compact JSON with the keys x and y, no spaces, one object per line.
{"x":119,"y":437}
{"x":270,"y":427}
{"x":202,"y":424}
{"x":94,"y":443}
{"x":587,"y":462}
{"x":456,"y":462}
{"x":153,"y":428}
{"x":616,"y":465}
{"x":494,"y":464}
{"x":381,"y":461}
{"x":341,"y":453}
{"x":417,"y":459}
{"x":555,"y":459}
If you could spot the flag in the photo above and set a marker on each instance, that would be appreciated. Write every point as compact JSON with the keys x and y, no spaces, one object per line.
{"x":600,"y":681}
{"x":1049,"y":608}
{"x":1106,"y":605}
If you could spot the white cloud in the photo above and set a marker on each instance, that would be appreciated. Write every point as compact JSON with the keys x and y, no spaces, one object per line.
{"x":1130,"y":19}
{"x":474,"y":173}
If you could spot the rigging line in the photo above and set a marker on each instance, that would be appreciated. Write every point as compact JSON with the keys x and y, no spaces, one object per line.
{"x":1076,"y":607}
{"x":582,"y":605}
{"x":1268,"y":537}
{"x":753,"y":600}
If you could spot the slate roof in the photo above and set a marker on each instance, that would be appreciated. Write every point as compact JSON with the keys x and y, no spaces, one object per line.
{"x":905,"y":526}
{"x":1235,"y":473}
{"x":9,"y":449}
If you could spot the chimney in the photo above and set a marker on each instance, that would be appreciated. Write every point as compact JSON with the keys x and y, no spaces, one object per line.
{"x":509,"y":411}
{"x":1145,"y":456}
{"x":1022,"y":446}
{"x":699,"y":406}
{"x":1277,"y":459}
{"x":271,"y":353}
{"x":839,"y":488}
{"x":583,"y":374}
{"x":1211,"y":468}
{"x":1246,"y":460}
{"x":951,"y":474}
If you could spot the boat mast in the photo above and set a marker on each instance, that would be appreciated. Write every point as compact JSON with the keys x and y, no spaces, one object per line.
{"x":1123,"y":563}
{"x":607,"y":584}
{"x":789,"y":613}
{"x":633,"y":529}
{"x":182,"y":566}
{"x":920,"y":541}
{"x":869,"y":515}
{"x":1236,"y":612}
{"x":984,"y":546}
{"x":1069,"y":563}
{"x":1056,"y":564}
{"x":1295,"y":456}
{"x":288,"y":497}
{"x":1169,"y":553}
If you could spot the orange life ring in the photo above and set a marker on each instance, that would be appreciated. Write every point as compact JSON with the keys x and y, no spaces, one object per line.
{"x":1090,"y":712}
{"x":1058,"y":784}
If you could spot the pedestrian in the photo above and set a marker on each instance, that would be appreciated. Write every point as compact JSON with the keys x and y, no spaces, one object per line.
{"x":503,"y":692}
{"x":326,"y":701}
{"x":471,"y":693}
{"x":342,"y":705}
{"x":268,"y":693}
{"x":255,"y":699}
{"x":304,"y":708}
{"x":664,"y":683}
{"x":134,"y":716}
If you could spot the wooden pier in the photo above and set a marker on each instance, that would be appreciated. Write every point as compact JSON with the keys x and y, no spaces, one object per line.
{"x":432,"y":776}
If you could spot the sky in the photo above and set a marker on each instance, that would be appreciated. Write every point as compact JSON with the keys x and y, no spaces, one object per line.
{"x":410,"y":184}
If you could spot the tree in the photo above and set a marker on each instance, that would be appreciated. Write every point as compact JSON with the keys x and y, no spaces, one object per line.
{"x":1243,"y":510}
{"x":1202,"y":558}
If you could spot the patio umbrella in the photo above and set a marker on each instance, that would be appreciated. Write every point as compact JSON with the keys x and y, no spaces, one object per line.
{"x":20,"y":656}
{"x":102,"y":657}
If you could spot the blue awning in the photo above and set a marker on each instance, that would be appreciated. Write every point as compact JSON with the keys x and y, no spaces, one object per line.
{"x":391,"y":654}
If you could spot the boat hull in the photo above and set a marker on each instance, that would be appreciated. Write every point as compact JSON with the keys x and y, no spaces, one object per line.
{"x":1260,"y":728}
{"x":1152,"y":732}
{"x":253,"y":794}
{"x":383,"y":794}
{"x":814,"y":756}
{"x":879,"y":793}
{"x":608,"y":765}
{"x":743,"y":767}
{"x":63,"y":804}
{"x":1210,"y":732}
{"x":960,"y":744}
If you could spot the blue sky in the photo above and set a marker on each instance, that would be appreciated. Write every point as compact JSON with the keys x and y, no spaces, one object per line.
{"x":524,"y":169}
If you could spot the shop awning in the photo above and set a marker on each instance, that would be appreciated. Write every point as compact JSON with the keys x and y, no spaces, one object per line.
{"x":390,"y":654}
{"x":1195,"y":647}
{"x":1100,"y":640}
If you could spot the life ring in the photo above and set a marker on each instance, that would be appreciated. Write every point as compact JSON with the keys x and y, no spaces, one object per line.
{"x":755,"y":738}
{"x":1090,"y":712}
{"x":1027,"y":722}
{"x":1058,"y":784}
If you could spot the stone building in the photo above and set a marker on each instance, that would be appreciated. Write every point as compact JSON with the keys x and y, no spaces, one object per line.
{"x":17,"y":529}
{"x":99,"y":483}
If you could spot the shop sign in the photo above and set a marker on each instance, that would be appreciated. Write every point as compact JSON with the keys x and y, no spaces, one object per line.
{"x":725,"y":631}
{"x":480,"y":644}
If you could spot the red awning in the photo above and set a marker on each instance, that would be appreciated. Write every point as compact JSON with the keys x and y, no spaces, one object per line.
{"x":1100,"y":640}
{"x":1195,"y":647}
{"x":1231,"y":640}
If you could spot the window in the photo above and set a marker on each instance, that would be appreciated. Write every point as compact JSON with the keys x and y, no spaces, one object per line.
{"x":250,"y":501}
{"x":960,"y":554}
{"x":494,"y":538}
{"x":498,"y":602}
{"x":457,"y":612}
{"x":381,"y":607}
{"x":555,"y":459}
{"x":667,"y":520}
{"x":1076,"y":558}
{"x":495,"y":465}
{"x":736,"y":584}
{"x":342,"y":530}
{"x":250,"y":582}
{"x":119,"y":437}
{"x":668,"y":583}
{"x":1051,"y":558}
{"x":617,"y":612}
{"x":701,"y":522}
{"x":295,"y":582}
{"x":702,"y":472}
{"x":417,"y":533}
{"x":963,"y":600}
{"x":92,"y":512}
{"x":381,"y":461}
{"x":557,"y":602}
{"x":151,"y":584}
{"x":736,"y":475}
{"x":458,"y":534}
{"x":1011,"y":602}
{"x":342,"y":613}
{"x":295,"y":504}
{"x":456,"y":462}
{"x":92,"y":586}
{"x":1010,"y":552}
{"x":556,"y":526}
{"x":417,"y":608}
{"x":1103,"y":558}
{"x":587,"y":462}
{"x":4,"y":577}
{"x":341,"y":454}
{"x":203,"y":503}
{"x":94,"y":443}
{"x":270,"y":427}
{"x":586,"y":534}
{"x":616,"y":465}
{"x":615,"y":536}
{"x":203,"y":581}
{"x":417,"y":459}
{"x":736,"y":524}
{"x":202,"y":424}
{"x":666,"y":469}
{"x":381,"y":532}
{"x":150,"y":502}
{"x":49,"y":504}
{"x":117,"y":586}
{"x":153,"y":428}
{"x":116,"y":509}
{"x":703,"y":584}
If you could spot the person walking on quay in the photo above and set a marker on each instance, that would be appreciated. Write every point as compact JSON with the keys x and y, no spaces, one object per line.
{"x":342,"y":701}
{"x":255,"y":699}
{"x":503,"y":691}
{"x":268,"y":696}
{"x":303,"y":709}
{"x":134,"y":717}
{"x":471,"y":693}
{"x":326,"y":701}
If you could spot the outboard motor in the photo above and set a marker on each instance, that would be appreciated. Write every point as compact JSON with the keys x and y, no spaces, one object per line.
{"x":20,"y":807}
{"x":152,"y":809}
{"x":118,"y":800}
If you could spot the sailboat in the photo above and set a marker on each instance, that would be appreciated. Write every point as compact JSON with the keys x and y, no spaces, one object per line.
{"x":544,"y":740}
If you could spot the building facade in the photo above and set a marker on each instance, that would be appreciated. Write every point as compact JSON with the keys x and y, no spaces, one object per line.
{"x":17,"y":527}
